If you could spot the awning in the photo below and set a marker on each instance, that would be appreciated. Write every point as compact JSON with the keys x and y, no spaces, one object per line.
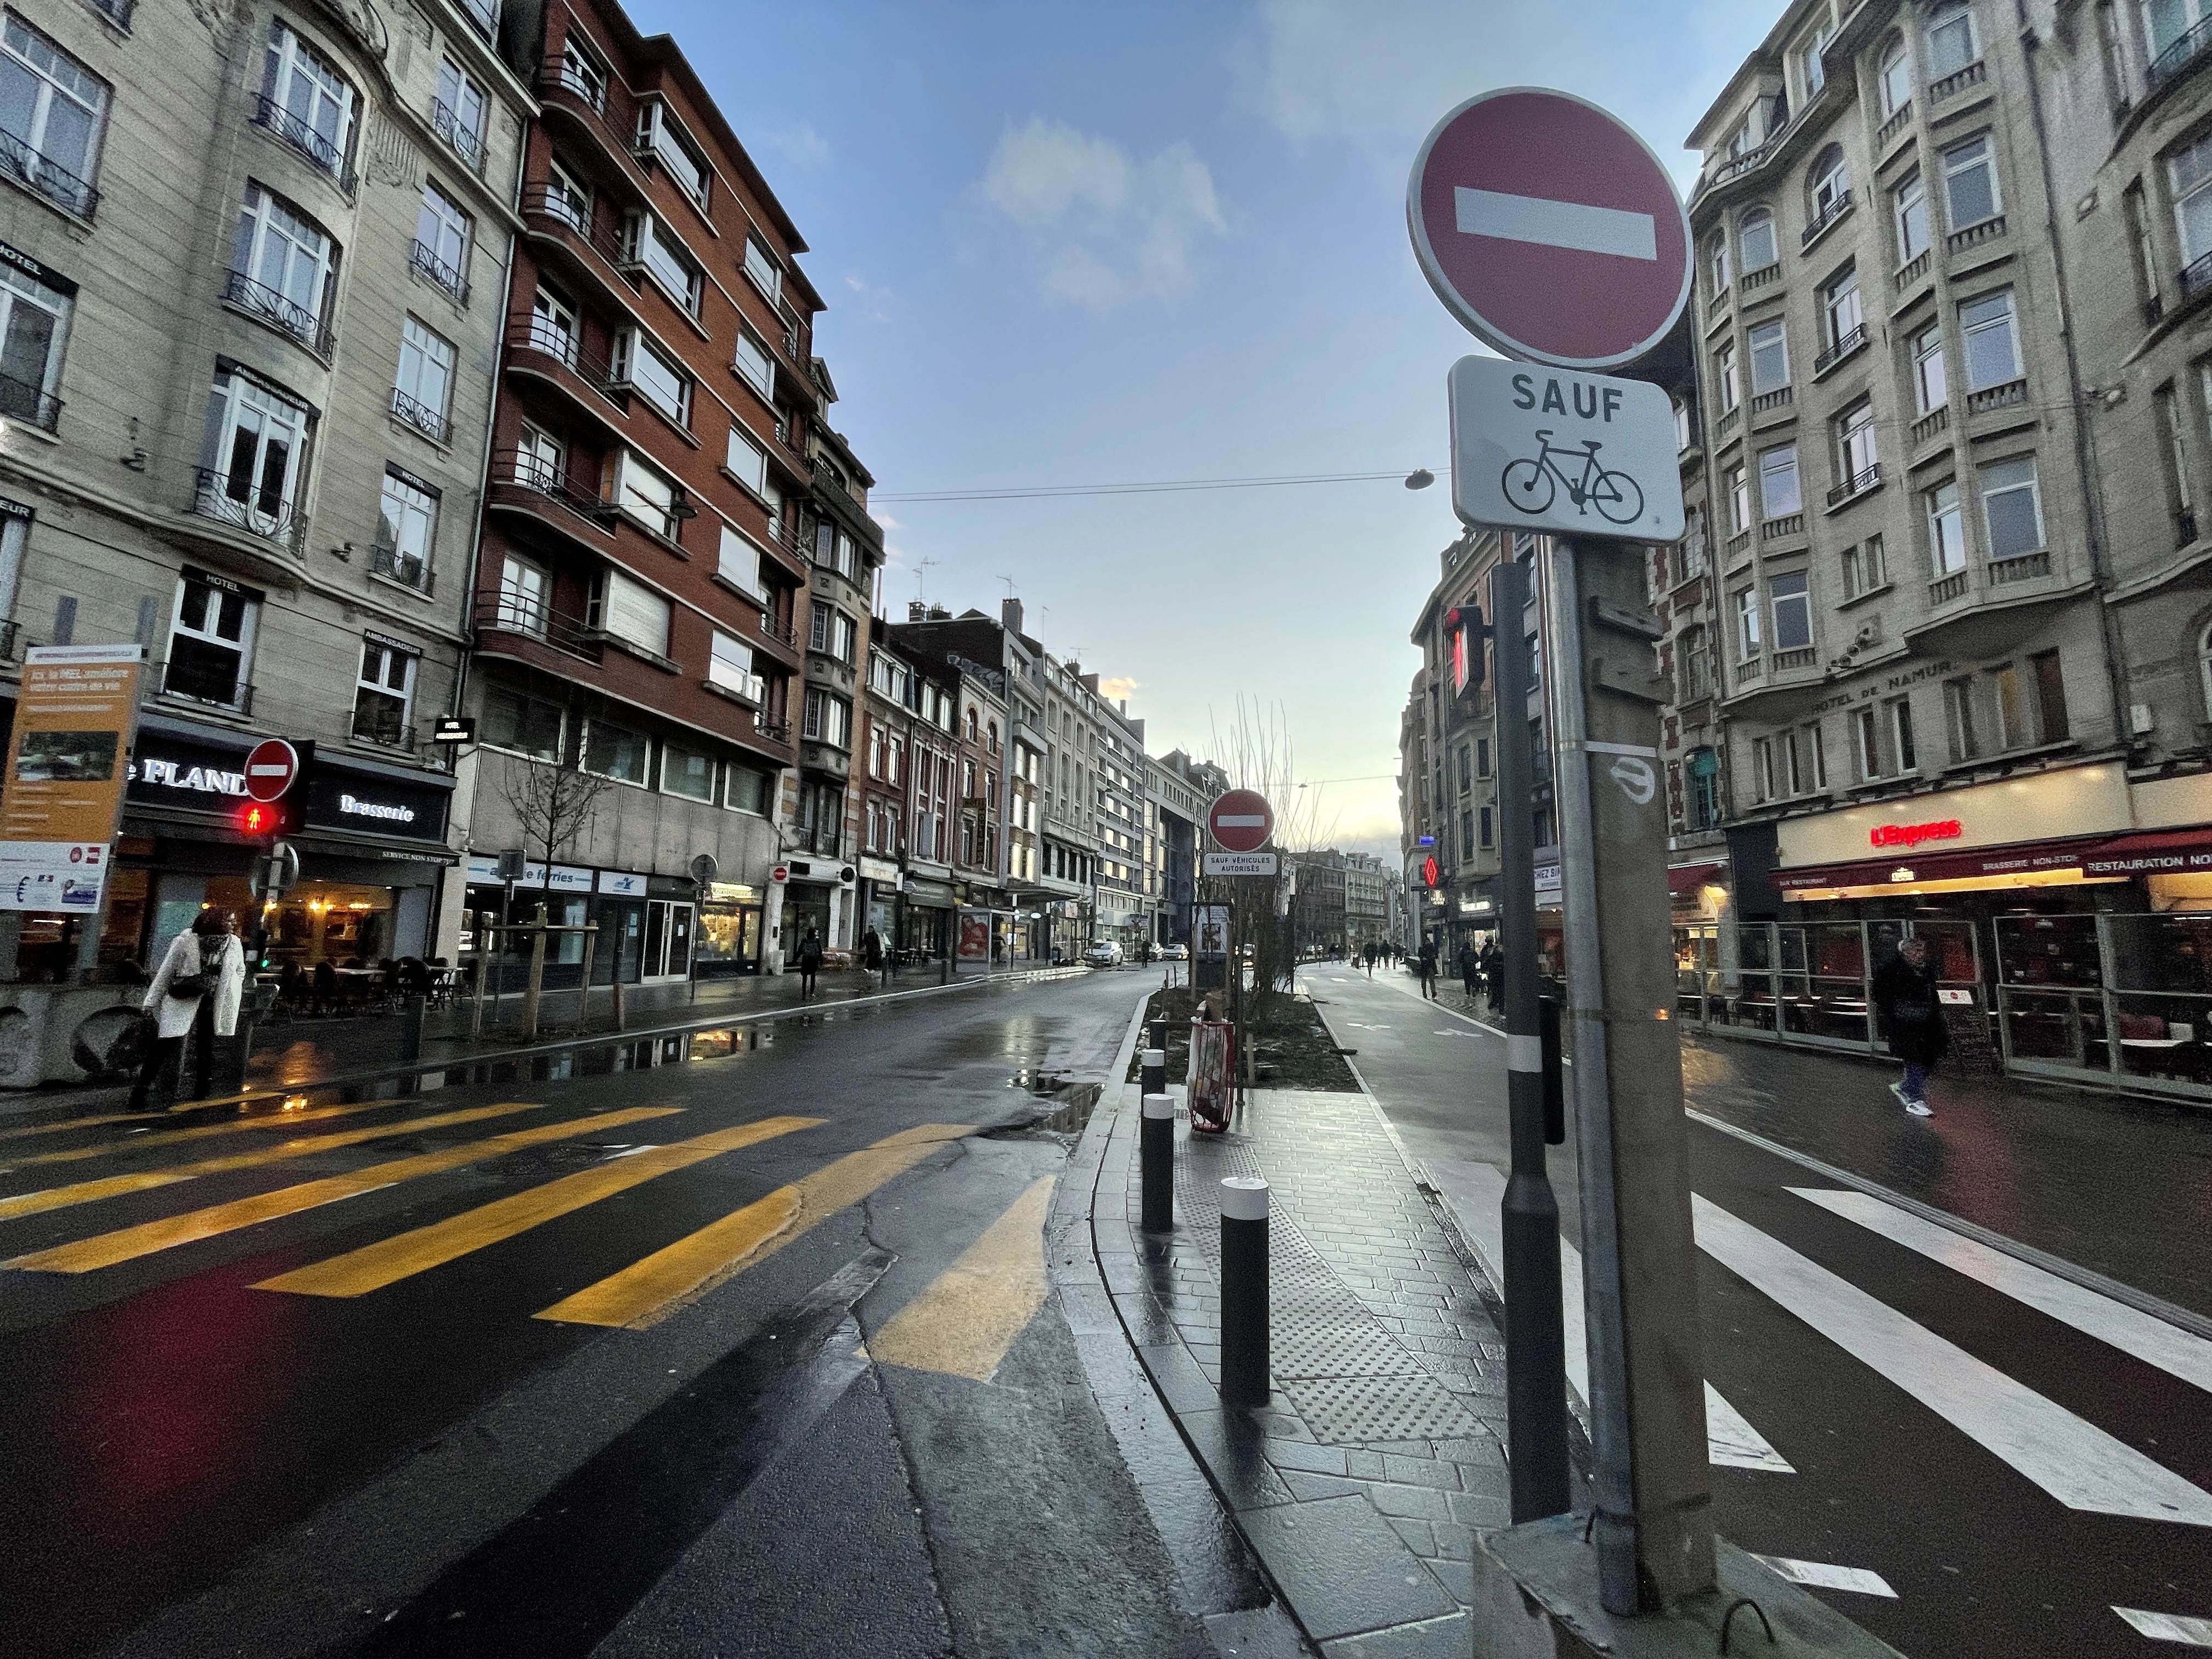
{"x":2029,"y":858}
{"x":2153,"y":852}
{"x":1684,"y":879}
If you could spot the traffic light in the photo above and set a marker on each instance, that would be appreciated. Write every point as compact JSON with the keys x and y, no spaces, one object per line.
{"x":287,"y":815}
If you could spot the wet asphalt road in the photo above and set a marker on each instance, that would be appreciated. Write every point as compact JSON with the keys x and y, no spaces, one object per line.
{"x":1862,"y":1363}
{"x":394,"y":1452}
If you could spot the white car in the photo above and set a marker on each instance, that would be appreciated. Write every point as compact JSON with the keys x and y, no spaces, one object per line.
{"x":1103,"y":954}
{"x":1174,"y":953}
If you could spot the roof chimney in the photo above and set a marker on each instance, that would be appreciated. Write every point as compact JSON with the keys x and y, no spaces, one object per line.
{"x":1010,"y":614}
{"x":939,"y":613}
{"x":916,"y":610}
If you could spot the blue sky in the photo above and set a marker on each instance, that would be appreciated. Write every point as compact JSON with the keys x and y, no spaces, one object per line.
{"x":1072,"y":245}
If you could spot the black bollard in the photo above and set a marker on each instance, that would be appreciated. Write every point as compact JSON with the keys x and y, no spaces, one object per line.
{"x":1155,"y":1073}
{"x":410,"y":1027}
{"x":1244,"y":1356}
{"x":1156,"y":1163}
{"x":1156,"y":1037}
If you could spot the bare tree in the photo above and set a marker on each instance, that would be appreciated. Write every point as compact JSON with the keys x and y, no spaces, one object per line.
{"x":554,"y":801}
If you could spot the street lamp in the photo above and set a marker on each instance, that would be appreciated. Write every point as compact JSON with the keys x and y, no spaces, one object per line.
{"x":1420,"y":478}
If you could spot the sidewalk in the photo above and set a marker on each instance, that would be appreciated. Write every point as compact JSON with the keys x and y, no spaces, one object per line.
{"x":1362,"y":1486}
{"x":303,"y":1051}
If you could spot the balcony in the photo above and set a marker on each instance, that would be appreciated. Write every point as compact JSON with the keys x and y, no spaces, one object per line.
{"x":1834,"y":211}
{"x":33,"y":406}
{"x":2022,"y":568}
{"x":424,"y":419}
{"x":484,"y":14}
{"x":2195,"y":276}
{"x":1996,"y":397}
{"x":1932,"y":425}
{"x":1914,"y":269}
{"x":1785,"y":662}
{"x":1890,"y":128}
{"x":523,"y":618}
{"x":273,"y":117}
{"x":2185,"y":50}
{"x":1974,"y":235}
{"x":827,"y":487}
{"x":205,"y":674}
{"x":46,"y":178}
{"x":537,"y":349}
{"x":1737,"y":546}
{"x":409,"y":570}
{"x":1858,"y":484}
{"x":266,"y":305}
{"x":423,"y":260}
{"x":466,"y":142}
{"x":1956,"y":82}
{"x":604,"y":110}
{"x":1752,"y":281}
{"x":241,"y":503}
{"x":591,"y":239}
{"x":525,"y":483}
{"x":1788,"y":524}
{"x":1944,"y":589}
{"x":1767,"y":402}
{"x":1848,"y":346}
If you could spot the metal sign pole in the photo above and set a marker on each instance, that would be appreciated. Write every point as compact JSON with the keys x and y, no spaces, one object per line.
{"x":1653,"y":1493}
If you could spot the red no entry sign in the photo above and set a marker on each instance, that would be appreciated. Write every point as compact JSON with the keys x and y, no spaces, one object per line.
{"x":1241,"y":821}
{"x":271,"y":768}
{"x":1549,"y":230}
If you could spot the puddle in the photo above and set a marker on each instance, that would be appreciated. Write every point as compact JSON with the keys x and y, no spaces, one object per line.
{"x":1060,"y":1113}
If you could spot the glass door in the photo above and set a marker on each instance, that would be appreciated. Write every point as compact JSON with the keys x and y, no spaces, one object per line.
{"x":667,"y":939}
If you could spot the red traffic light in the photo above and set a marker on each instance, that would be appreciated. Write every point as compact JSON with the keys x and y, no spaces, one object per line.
{"x":258,"y":819}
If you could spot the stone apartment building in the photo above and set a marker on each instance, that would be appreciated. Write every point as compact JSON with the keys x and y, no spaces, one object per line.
{"x":256,"y":263}
{"x":1367,"y":905}
{"x":1180,"y":790}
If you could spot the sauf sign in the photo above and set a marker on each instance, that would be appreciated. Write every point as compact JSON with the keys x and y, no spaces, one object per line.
{"x":1549,"y":449}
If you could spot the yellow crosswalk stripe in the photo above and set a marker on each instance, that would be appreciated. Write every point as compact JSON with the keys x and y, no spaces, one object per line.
{"x":93,"y":1120}
{"x":646,"y":1293}
{"x":202,"y":1132}
{"x":140,"y":1180}
{"x":386,"y":1262}
{"x":127,"y":1243}
{"x":969,"y":1316}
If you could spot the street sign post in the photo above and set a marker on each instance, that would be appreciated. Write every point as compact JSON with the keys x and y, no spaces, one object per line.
{"x":1550,"y":229}
{"x":1240,"y":864}
{"x":1241,"y":821}
{"x":1552,"y":449}
{"x":271,"y":768}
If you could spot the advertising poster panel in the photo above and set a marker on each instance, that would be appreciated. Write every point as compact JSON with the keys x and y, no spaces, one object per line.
{"x":67,"y":767}
{"x":975,"y":935}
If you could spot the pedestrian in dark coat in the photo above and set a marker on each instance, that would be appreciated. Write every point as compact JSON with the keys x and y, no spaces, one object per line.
{"x":1427,"y":964}
{"x":1910,"y":1016}
{"x":1494,"y":973}
{"x":1470,"y":969}
{"x":810,"y":963}
{"x":872,"y":953}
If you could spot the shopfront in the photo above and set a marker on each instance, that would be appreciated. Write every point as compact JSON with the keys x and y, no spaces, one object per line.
{"x":646,"y":926}
{"x":879,"y":902}
{"x":730,"y":932}
{"x":926,"y":925}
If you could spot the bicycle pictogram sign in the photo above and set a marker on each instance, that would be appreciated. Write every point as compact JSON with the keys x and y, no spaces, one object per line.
{"x":1533,"y":482}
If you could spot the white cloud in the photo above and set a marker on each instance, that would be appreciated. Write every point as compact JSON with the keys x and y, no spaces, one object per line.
{"x":875,"y":302}
{"x":1118,"y":687}
{"x":1092,"y":225}
{"x":800,"y":145}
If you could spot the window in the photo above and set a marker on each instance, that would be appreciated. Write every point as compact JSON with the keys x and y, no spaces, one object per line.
{"x":1811,"y":77}
{"x":1704,"y":789}
{"x":1908,"y":202}
{"x":582,"y":72}
{"x":647,"y":495}
{"x":1992,"y":345}
{"x":2190,"y":170}
{"x":34,"y":328}
{"x":747,"y":791}
{"x":426,"y":379}
{"x":2180,"y":497}
{"x":1951,"y":43}
{"x":1895,"y":78}
{"x":1747,"y":623}
{"x":406,"y":525}
{"x":1930,"y":378}
{"x":740,"y":566}
{"x":2146,"y":250}
{"x":1770,"y":359}
{"x":1832,"y":183}
{"x":1724,"y":378}
{"x":1717,"y":266}
{"x":747,"y":461}
{"x":1738,"y":491}
{"x":731,"y":666}
{"x":1970,"y":183}
{"x":1482,"y":757}
{"x":1959,"y":719}
{"x":761,"y":266}
{"x":1793,"y":611}
{"x":2011,"y":508}
{"x":251,"y":459}
{"x":686,"y":772}
{"x":614,"y":751}
{"x":1683,"y":436}
{"x":529,"y":725}
{"x":1866,"y":744}
{"x":1697,"y":664}
{"x":2049,"y":695}
{"x":658,"y":132}
{"x":567,"y":196}
{"x":1855,"y":455}
{"x":1485,"y":819}
{"x":306,"y":101}
{"x":829,"y":719}
{"x":457,"y":114}
{"x":751,"y":360}
{"x":553,"y":324}
{"x":1900,"y":732}
{"x":1839,"y":310}
{"x":1866,"y":567}
{"x":1947,"y":531}
{"x":211,"y":640}
{"x":2166,"y":23}
{"x":1756,"y":239}
{"x":627,"y":609}
{"x":1779,"y":492}
{"x":283,"y":267}
{"x":526,"y":593}
{"x":441,"y":243}
{"x":2010,"y":697}
{"x":1466,"y":834}
{"x":52,"y":112}
{"x":832,"y":633}
{"x":659,"y":249}
{"x":541,"y":460}
{"x":665,"y":387}
{"x":1762,"y":768}
{"x":383,"y":692}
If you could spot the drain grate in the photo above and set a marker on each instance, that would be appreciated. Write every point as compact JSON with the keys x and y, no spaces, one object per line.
{"x":1341,"y":1410}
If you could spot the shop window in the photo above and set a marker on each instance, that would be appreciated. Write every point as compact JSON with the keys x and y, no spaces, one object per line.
{"x":686,"y":772}
{"x":615,"y":751}
{"x":384,"y":693}
{"x":210,"y":642}
{"x":529,"y":725}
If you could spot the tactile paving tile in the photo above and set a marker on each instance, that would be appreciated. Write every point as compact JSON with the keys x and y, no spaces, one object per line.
{"x":1343,"y":1410}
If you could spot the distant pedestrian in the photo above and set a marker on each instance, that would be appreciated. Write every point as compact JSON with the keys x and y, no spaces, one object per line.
{"x":1494,"y":973}
{"x":195,"y":994}
{"x":872,"y":955}
{"x":1427,"y":964}
{"x":1470,"y":969}
{"x":1911,"y":1016}
{"x":810,"y":963}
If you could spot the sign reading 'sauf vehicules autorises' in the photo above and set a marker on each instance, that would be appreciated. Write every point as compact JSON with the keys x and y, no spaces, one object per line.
{"x":1556,"y":449}
{"x":65,"y":775}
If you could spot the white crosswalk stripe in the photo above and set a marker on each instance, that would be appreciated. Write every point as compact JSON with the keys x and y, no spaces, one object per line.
{"x":1821,"y":1575}
{"x":2169,"y":1626}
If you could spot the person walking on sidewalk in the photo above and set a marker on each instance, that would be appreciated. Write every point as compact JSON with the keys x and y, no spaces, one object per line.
{"x":1494,"y":973}
{"x":195,"y":994}
{"x":1470,"y":969}
{"x":810,"y":963}
{"x":872,"y":955}
{"x":1427,"y":964}
{"x":1911,"y":1017}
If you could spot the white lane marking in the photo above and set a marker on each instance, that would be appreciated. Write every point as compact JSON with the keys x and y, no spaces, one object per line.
{"x":2131,"y":1331}
{"x":2169,"y":1626}
{"x":1557,"y":224}
{"x":2075,"y":1462}
{"x":1473,"y":1190}
{"x":1464,"y":1034}
{"x":1821,"y":1575}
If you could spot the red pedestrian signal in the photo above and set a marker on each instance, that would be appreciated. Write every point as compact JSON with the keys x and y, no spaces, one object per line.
{"x":258,"y":819}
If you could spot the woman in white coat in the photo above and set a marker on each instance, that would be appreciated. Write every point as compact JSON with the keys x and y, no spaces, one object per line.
{"x":206,"y":961}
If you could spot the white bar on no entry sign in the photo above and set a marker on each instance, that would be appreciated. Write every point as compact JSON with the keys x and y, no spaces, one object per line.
{"x":1557,"y":224}
{"x":1241,"y":821}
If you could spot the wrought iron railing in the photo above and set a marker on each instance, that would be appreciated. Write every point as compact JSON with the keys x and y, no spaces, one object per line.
{"x":275,"y":118}
{"x":207,"y":681}
{"x":408,"y":569}
{"x":423,"y":418}
{"x":1841,"y":349}
{"x":2185,"y":49}
{"x":467,"y":143}
{"x":1858,"y":484}
{"x":2195,"y":276}
{"x":49,"y":178}
{"x":539,"y":335}
{"x":425,"y":260}
{"x":246,"y":505}
{"x":533,"y":619}
{"x":521,"y":470}
{"x":594,"y":229}
{"x":265,"y":304}
{"x":1828,"y":215}
{"x":20,"y":400}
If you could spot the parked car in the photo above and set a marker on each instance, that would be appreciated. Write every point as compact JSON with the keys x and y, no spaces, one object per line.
{"x":1174,"y":953}
{"x":1103,"y":954}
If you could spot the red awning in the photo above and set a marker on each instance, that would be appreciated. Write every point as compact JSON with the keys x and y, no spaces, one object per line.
{"x":1683,"y":879}
{"x":2026,"y":857}
{"x":2153,"y":852}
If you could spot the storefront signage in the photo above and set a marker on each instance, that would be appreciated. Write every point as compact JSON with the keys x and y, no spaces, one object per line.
{"x":359,"y":802}
{"x":1887,"y":685}
{"x":621,"y":883}
{"x":66,"y":774}
{"x":184,"y":776}
{"x":2069,"y":803}
{"x":1911,"y":835}
{"x":882,"y":871}
{"x":930,"y":894}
